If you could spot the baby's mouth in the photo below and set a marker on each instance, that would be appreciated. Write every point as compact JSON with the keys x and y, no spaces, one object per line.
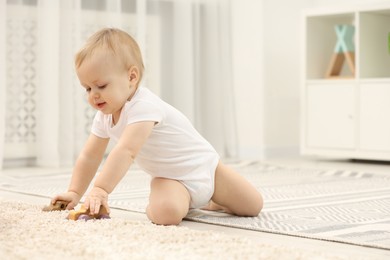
{"x":100,"y":105}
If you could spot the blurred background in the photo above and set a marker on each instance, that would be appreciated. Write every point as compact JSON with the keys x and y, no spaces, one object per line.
{"x":231,"y":66}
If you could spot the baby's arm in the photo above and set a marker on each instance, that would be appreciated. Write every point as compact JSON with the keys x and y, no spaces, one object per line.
{"x":120,"y":159}
{"x":88,"y":163}
{"x":84,"y":170}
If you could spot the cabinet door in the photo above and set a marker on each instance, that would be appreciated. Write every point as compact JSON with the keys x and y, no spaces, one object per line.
{"x":375,"y":116}
{"x":330,"y":115}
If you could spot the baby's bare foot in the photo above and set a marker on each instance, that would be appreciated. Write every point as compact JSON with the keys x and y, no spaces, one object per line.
{"x":212,"y":206}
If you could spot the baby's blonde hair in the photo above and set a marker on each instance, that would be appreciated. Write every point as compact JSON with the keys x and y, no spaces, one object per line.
{"x":119,"y":43}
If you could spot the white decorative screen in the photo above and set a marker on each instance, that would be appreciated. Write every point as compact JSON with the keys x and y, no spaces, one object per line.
{"x":21,"y":90}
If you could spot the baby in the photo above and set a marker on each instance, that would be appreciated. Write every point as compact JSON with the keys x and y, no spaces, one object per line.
{"x":186,"y":170}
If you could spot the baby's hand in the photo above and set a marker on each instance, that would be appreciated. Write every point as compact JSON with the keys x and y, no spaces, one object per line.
{"x":71,"y":197}
{"x":96,"y":198}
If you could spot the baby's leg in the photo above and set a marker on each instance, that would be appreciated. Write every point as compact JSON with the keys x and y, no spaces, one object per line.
{"x":235,"y":194}
{"x":169,"y":202}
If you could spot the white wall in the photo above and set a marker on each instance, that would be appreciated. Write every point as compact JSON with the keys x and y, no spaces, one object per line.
{"x":266,"y":75}
{"x":266,"y":54}
{"x":247,"y":44}
{"x":282,"y":33}
{"x":334,"y":3}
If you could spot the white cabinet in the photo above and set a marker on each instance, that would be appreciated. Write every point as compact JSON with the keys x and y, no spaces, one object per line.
{"x":331,"y":117}
{"x":348,"y":115}
{"x":375,"y":117}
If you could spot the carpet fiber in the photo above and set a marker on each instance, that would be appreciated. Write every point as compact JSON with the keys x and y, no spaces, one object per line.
{"x":28,"y":233}
{"x":336,"y":205}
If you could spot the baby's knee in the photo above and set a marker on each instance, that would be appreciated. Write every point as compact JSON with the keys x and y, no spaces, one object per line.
{"x":164,"y":213}
{"x":253,"y":208}
{"x":257,"y":206}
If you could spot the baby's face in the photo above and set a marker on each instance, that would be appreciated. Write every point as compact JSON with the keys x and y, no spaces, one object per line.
{"x":106,"y":82}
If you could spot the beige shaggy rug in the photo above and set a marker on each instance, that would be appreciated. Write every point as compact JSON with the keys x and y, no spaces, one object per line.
{"x":28,"y":233}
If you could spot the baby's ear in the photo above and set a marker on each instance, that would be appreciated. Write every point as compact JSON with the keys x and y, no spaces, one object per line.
{"x":133,"y":74}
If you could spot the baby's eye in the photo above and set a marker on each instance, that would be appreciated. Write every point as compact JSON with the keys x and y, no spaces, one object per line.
{"x":88,"y":89}
{"x":102,"y":86}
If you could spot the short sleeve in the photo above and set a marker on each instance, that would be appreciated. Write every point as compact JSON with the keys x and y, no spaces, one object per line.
{"x":98,"y":126}
{"x":143,"y":111}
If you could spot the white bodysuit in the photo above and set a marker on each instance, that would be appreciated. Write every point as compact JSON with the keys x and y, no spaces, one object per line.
{"x":174,"y":150}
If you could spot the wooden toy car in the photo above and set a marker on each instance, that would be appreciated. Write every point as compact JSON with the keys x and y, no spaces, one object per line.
{"x":84,"y":214}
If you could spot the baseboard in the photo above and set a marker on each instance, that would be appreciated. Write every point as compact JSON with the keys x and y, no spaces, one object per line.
{"x":245,"y":152}
{"x":282,"y":152}
{"x":19,"y":162}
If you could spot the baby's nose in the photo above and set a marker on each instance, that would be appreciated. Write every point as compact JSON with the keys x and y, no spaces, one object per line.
{"x":95,"y":94}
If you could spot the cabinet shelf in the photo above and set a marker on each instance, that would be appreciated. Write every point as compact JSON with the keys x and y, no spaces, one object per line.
{"x":330,"y":81}
{"x":320,"y":42}
{"x":374,"y":57}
